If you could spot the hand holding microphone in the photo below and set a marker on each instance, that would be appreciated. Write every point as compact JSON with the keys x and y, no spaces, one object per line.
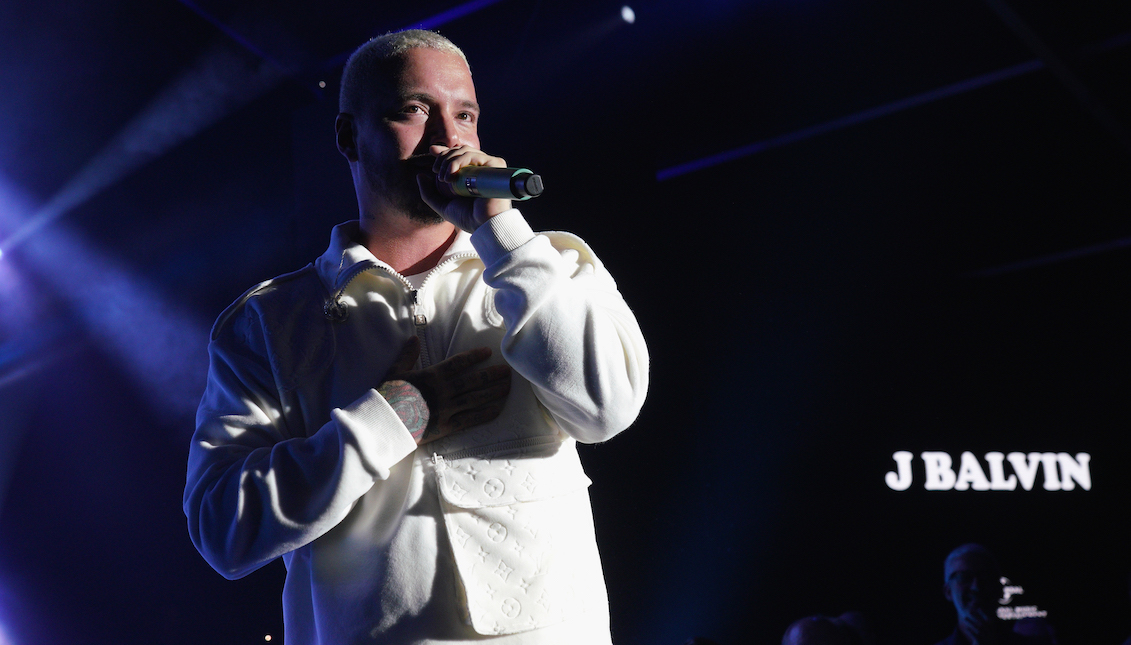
{"x":484,"y":181}
{"x":465,"y":172}
{"x":518,"y":184}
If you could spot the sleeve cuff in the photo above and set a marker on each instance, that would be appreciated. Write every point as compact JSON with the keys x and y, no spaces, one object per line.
{"x":380,"y":435}
{"x":500,"y":235}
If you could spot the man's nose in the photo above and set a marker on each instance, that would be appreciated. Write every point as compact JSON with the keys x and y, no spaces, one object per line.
{"x":444,"y":132}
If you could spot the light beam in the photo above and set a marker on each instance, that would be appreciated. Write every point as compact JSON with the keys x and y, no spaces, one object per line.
{"x":155,"y":340}
{"x":863,"y":116}
{"x":222,"y":81}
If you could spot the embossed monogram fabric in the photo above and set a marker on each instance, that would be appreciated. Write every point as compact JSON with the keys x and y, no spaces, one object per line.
{"x":520,"y":556}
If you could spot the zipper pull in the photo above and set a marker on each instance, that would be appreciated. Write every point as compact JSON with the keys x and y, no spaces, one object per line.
{"x":437,"y":459}
{"x":420,"y":320}
{"x":334,"y":310}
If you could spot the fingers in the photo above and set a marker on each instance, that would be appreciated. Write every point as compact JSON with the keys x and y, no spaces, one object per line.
{"x":459,"y":394}
{"x":458,"y":363}
{"x":465,"y":212}
{"x":480,"y":379}
{"x":477,"y":416}
{"x":477,"y":406}
{"x":410,"y":352}
{"x":488,"y":391}
{"x":450,"y":160}
{"x":472,"y":409}
{"x":448,"y":376}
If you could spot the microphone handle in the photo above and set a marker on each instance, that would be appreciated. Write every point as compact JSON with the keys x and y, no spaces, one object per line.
{"x":518,"y":184}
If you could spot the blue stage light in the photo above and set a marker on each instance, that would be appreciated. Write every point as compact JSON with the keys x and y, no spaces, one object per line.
{"x":116,"y":307}
{"x":454,"y":13}
{"x":628,"y":14}
{"x":852,"y":119}
{"x":4,"y":639}
{"x":222,"y":81}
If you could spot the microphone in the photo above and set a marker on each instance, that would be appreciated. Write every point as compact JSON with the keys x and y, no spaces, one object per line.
{"x":518,"y":184}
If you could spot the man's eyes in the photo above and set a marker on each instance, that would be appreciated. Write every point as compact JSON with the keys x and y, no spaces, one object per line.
{"x":414,"y":109}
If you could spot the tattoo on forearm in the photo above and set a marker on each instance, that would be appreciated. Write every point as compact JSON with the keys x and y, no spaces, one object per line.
{"x":409,"y":405}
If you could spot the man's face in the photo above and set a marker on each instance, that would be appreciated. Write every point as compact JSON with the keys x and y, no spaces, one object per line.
{"x":431,"y":100}
{"x":973,"y":583}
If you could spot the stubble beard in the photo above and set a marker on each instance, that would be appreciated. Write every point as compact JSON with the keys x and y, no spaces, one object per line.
{"x":397,"y":184}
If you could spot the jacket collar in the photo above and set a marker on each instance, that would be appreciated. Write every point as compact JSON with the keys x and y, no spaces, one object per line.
{"x":346,"y":252}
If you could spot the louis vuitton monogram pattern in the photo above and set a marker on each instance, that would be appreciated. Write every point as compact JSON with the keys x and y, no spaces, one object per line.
{"x":516,"y":552}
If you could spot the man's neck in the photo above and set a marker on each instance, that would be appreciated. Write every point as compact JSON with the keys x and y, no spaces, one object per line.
{"x":409,"y":246}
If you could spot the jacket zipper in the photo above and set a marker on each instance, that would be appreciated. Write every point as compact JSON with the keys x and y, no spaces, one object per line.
{"x":336,"y":311}
{"x":420,"y":321}
{"x":495,"y":447}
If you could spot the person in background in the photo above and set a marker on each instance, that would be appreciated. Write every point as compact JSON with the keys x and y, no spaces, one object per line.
{"x":972,"y":584}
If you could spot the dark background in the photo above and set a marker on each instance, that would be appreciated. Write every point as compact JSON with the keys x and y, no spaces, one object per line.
{"x":929,"y":253}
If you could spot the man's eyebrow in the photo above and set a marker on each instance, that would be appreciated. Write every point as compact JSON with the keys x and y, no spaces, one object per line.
{"x":425,"y":97}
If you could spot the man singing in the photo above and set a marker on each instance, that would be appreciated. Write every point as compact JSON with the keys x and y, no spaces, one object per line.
{"x":398,"y":421}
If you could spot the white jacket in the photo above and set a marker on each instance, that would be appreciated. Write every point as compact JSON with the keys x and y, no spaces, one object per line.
{"x":487,"y":531}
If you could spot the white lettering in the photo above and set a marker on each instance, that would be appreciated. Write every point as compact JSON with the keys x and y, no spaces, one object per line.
{"x":1074,"y":469}
{"x":1062,"y":471}
{"x":970,"y":474}
{"x":1008,"y":591}
{"x":997,"y":473}
{"x":1026,"y":472}
{"x":902,"y":480}
{"x":1048,"y":460}
{"x":1021,"y":611}
{"x":939,"y":474}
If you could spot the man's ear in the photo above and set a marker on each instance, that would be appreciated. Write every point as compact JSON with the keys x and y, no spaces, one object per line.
{"x":946,"y":592}
{"x":346,"y":136}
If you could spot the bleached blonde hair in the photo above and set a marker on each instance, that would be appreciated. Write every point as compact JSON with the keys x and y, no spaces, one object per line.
{"x":372,"y":63}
